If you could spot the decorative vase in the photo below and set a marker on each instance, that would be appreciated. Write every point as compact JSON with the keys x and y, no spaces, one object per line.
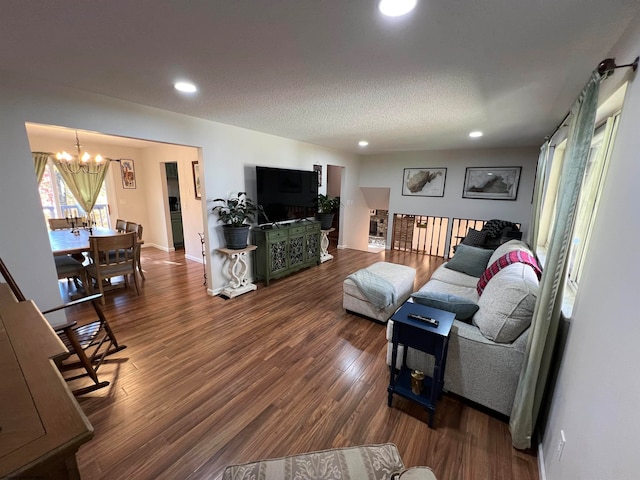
{"x":326,"y":219}
{"x":236,"y":237}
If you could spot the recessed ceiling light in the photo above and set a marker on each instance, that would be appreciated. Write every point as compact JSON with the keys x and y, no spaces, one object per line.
{"x":185,"y":87}
{"x":363,"y":143}
{"x":396,"y":8}
{"x":476,"y":134}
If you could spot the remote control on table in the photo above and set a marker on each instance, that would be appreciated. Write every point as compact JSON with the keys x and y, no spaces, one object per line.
{"x":430,"y":321}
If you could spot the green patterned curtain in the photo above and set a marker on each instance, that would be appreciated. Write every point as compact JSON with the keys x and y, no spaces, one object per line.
{"x":84,"y":186}
{"x":546,"y":316}
{"x":40,"y":161}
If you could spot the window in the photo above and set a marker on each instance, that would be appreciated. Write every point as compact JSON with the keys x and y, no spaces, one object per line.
{"x":590,"y":193}
{"x":58,"y":201}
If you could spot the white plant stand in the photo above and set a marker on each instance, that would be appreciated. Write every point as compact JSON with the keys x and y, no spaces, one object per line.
{"x":238,"y":268}
{"x":324,"y":245}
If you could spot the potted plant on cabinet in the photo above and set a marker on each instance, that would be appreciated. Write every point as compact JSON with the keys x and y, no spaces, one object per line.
{"x":327,"y":207}
{"x":234,"y":212}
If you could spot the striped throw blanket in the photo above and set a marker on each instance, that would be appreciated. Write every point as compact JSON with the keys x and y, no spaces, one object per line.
{"x":516,"y":256}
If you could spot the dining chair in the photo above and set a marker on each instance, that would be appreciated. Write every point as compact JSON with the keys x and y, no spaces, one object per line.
{"x":136,"y":227}
{"x":58,"y":223}
{"x":121,"y":225}
{"x":71,"y":269}
{"x":89,"y":342}
{"x":112,"y":256}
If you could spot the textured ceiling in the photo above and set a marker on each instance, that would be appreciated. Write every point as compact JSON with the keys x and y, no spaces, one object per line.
{"x":329,"y":72}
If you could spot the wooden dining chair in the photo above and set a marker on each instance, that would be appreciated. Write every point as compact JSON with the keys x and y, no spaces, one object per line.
{"x":58,"y":223}
{"x":112,"y":256}
{"x":136,"y":227}
{"x":121,"y":225}
{"x":71,"y":269}
{"x":89,"y":342}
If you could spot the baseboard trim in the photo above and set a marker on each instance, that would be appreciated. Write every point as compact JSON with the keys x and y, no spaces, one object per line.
{"x":194,"y":259}
{"x":543,"y":473}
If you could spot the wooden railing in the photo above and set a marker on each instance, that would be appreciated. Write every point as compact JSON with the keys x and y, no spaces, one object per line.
{"x":420,"y":234}
{"x":431,"y":235}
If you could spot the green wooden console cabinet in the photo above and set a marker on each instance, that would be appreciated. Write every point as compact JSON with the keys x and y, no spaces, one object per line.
{"x":285,"y":249}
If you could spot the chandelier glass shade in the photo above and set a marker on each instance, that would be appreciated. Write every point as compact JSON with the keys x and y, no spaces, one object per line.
{"x":81,"y":162}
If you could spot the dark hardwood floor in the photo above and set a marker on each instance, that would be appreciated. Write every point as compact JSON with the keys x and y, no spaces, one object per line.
{"x":206,"y":382}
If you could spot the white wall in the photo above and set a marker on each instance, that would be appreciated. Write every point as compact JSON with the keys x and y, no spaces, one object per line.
{"x":597,"y":396}
{"x":386,"y":170}
{"x":228,"y":155}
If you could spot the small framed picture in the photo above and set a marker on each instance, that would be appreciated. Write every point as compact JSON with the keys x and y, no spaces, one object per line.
{"x":424,"y":182}
{"x":318,"y":169}
{"x":491,"y":183}
{"x":195,"y":167}
{"x":128,"y":173}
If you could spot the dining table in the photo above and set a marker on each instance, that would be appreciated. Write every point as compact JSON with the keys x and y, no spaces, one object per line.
{"x":73,"y":242}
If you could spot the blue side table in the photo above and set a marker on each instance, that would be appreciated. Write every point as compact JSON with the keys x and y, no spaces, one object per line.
{"x":427,"y":338}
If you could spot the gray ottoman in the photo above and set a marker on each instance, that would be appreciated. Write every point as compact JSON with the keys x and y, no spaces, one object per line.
{"x":399,"y":279}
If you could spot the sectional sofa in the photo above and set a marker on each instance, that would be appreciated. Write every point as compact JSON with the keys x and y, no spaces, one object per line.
{"x":493,"y":294}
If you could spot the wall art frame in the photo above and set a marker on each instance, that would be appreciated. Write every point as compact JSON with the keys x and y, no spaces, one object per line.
{"x":195,"y":169}
{"x":424,"y":182}
{"x":491,"y":183}
{"x":128,"y":173}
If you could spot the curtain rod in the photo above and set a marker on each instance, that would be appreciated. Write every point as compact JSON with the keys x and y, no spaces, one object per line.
{"x":605,"y":68}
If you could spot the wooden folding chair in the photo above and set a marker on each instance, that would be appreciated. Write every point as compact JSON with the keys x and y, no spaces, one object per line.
{"x":90,"y":342}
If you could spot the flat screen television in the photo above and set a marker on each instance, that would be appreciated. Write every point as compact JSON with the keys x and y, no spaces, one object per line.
{"x":286,"y":194}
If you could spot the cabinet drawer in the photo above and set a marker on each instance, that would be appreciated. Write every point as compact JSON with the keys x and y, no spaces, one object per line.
{"x":313,"y":228}
{"x":275,"y":234}
{"x":296,"y":230}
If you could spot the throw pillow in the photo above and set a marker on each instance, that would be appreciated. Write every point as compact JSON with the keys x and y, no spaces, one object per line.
{"x":507,"y":303}
{"x":470,"y":260}
{"x":462,"y":307}
{"x":474,"y":237}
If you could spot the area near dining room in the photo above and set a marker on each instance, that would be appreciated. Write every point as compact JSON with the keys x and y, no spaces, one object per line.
{"x":146,"y":201}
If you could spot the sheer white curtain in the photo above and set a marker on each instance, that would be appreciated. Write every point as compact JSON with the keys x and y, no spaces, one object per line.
{"x":546,"y":316}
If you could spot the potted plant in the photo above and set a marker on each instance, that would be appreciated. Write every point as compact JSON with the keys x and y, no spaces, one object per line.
{"x":327,"y":207}
{"x":234,"y":212}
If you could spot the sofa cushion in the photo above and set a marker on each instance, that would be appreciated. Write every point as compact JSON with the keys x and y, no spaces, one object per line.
{"x":515,"y":256}
{"x":507,"y":247}
{"x":470,"y":260}
{"x":474,"y":237}
{"x":453,"y":277}
{"x":461,"y":306}
{"x":507,"y":303}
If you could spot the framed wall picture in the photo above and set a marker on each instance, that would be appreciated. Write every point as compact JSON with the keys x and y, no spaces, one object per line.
{"x":128,"y":173}
{"x":195,"y":167}
{"x":492,"y":183}
{"x":424,"y":182}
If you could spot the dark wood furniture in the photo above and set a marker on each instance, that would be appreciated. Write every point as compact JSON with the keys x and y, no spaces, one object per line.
{"x":285,"y":249}
{"x":87,"y":344}
{"x":427,"y":338}
{"x":42,"y":424}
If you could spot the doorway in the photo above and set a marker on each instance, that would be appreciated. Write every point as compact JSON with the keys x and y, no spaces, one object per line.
{"x":175,"y":208}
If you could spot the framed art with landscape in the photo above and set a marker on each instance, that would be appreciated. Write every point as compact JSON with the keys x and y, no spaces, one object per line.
{"x":491,"y":183}
{"x":424,"y":182}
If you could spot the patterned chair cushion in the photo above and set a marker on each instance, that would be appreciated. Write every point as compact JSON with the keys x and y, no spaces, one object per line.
{"x":374,"y":462}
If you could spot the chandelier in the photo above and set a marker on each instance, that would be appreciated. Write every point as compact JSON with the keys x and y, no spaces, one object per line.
{"x":82,"y":162}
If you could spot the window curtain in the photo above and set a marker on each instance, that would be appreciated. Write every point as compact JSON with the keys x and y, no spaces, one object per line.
{"x":84,"y":186}
{"x":538,"y":195}
{"x":40,"y":161}
{"x":546,"y":315}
